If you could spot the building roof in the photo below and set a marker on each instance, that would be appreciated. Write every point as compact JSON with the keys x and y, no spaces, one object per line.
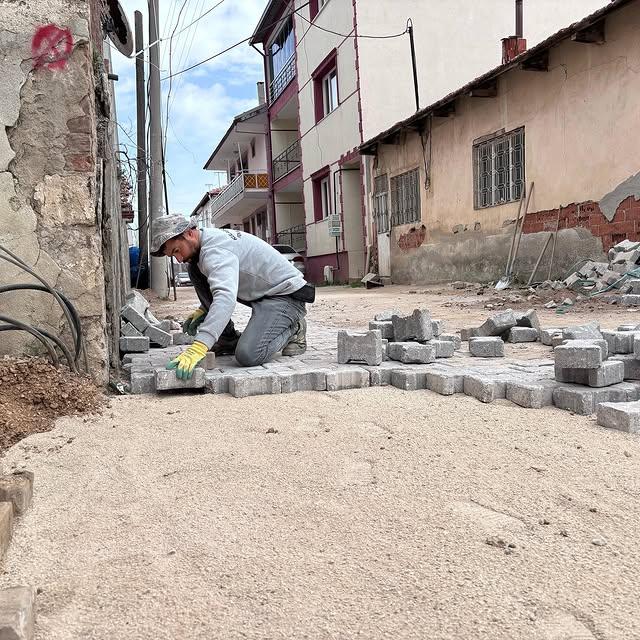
{"x":270,"y":16}
{"x":530,"y":56}
{"x":226,"y":146}
{"x":205,"y":198}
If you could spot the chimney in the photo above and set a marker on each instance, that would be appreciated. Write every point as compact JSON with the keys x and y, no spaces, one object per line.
{"x":514,"y":45}
{"x":261,"y":94}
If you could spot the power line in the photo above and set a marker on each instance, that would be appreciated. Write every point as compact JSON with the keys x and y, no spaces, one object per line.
{"x":352,"y":35}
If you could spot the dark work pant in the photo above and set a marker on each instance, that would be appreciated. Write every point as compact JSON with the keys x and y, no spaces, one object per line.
{"x":273,"y":322}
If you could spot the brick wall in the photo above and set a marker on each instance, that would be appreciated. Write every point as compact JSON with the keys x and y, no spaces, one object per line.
{"x":624,"y":225}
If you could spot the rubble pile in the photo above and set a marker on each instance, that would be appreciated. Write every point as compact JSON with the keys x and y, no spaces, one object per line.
{"x":508,"y":325}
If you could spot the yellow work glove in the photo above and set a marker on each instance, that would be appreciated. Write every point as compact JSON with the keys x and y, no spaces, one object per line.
{"x":191,"y":324}
{"x":186,"y":362}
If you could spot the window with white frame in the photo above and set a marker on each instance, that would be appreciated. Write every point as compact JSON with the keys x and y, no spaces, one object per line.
{"x":381,"y":203}
{"x":405,"y":198}
{"x":330,"y":91}
{"x":325,"y":197}
{"x":498,"y":169}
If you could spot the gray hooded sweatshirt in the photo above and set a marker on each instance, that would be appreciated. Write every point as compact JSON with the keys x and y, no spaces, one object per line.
{"x":240,"y":266}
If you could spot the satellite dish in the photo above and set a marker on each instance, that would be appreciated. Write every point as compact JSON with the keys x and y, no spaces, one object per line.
{"x":117,"y":28}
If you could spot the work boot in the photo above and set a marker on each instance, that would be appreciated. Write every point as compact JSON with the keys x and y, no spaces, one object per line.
{"x":297,"y":344}
{"x":227,"y":342}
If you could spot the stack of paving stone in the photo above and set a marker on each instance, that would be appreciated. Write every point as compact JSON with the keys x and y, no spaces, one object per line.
{"x":509,"y":325}
{"x":139,"y":328}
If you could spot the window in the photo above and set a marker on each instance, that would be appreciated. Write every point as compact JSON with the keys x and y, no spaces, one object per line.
{"x":315,"y":6}
{"x":381,"y":203}
{"x":405,"y":198}
{"x":253,"y":147}
{"x":321,"y":195}
{"x":325,"y":86}
{"x":282,"y":48}
{"x":498,"y":169}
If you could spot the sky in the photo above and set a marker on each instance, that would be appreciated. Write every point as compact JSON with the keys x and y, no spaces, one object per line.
{"x":203,"y":101}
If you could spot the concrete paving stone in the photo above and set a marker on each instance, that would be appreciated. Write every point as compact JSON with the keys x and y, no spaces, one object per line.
{"x":611,"y":372}
{"x":589,"y":331}
{"x":484,"y":388}
{"x":17,"y":488}
{"x":618,"y":341}
{"x":17,"y":613}
{"x":445,"y":383}
{"x":572,"y":376}
{"x":531,"y":395}
{"x":546,"y":335}
{"x":623,"y":416}
{"x":360,"y":347}
{"x":385,"y":350}
{"x":136,"y":318}
{"x":411,"y":352}
{"x":579,"y":399}
{"x":409,"y":379}
{"x":299,"y":381}
{"x":353,"y":378}
{"x":452,"y":337}
{"x":142,"y":382}
{"x":465,"y":334}
{"x":166,"y":380}
{"x":209,"y":361}
{"x":557,"y":340}
{"x":385,"y":316}
{"x":134,"y":344}
{"x":522,"y":334}
{"x":384,"y":327}
{"x":180,"y":338}
{"x":216,"y":382}
{"x":630,"y":300}
{"x":444,"y":348}
{"x":164,"y":325}
{"x":158,"y":336}
{"x":581,"y":354}
{"x":6,"y":527}
{"x":528,"y":319}
{"x":631,"y":366}
{"x":627,"y":327}
{"x":486,"y":347}
{"x":437,"y":327}
{"x":127,"y":330}
{"x":243,"y":386}
{"x":381,"y":376}
{"x":497,"y":324}
{"x":417,"y":326}
{"x":623,"y":392}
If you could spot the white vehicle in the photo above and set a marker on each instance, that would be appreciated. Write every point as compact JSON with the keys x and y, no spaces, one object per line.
{"x":291,"y":255}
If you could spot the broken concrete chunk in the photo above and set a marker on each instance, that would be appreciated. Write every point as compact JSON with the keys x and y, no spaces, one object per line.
{"x":417,"y":326}
{"x":497,"y":324}
{"x":360,"y":347}
{"x":527,"y":319}
{"x":437,"y":327}
{"x":547,"y":335}
{"x":385,"y":316}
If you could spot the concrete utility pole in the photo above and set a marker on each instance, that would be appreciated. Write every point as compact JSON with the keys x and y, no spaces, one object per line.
{"x":156,"y":210}
{"x":141,"y":156}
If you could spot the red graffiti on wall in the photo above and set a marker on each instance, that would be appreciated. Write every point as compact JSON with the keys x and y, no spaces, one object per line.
{"x":51,"y":46}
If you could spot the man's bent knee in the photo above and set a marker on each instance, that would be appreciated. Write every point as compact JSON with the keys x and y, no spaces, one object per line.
{"x":247,"y":356}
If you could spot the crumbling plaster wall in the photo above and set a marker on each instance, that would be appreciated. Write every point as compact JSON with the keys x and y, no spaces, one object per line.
{"x":48,"y":171}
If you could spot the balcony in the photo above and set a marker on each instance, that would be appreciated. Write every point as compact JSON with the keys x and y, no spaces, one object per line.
{"x":239,"y":199}
{"x":284,"y":77}
{"x":287,"y":161}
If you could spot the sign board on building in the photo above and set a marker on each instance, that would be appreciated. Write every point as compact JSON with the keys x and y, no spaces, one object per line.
{"x":335,"y":225}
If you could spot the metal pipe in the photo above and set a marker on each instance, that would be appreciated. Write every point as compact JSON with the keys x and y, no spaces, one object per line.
{"x":519,"y":20}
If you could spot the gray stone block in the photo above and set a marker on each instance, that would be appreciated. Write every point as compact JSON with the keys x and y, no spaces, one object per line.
{"x":627,"y":327}
{"x":446,"y":383}
{"x":411,"y":352}
{"x":134,"y":317}
{"x":580,"y":354}
{"x":465,"y":334}
{"x":497,"y":324}
{"x":557,"y":340}
{"x":579,"y":399}
{"x":142,"y":382}
{"x":385,"y":350}
{"x":437,"y":327}
{"x":444,"y":348}
{"x":158,"y":336}
{"x":166,"y":380}
{"x":623,"y":392}
{"x":164,"y":325}
{"x":385,"y":328}
{"x":381,"y":376}
{"x":527,"y":319}
{"x":360,"y":347}
{"x":483,"y":388}
{"x":590,"y":331}
{"x":292,"y":381}
{"x":624,"y":416}
{"x":385,"y":316}
{"x":631,"y":366}
{"x":572,"y":376}
{"x":486,"y":347}
{"x":523,"y":334}
{"x":243,"y":386}
{"x":611,"y":372}
{"x":353,"y":378}
{"x":417,"y":326}
{"x":17,"y":613}
{"x":630,"y":300}
{"x":209,"y":361}
{"x":619,"y":341}
{"x":546,"y":335}
{"x":409,"y":379}
{"x":17,"y":488}
{"x":127,"y":330}
{"x":179,"y":338}
{"x":216,"y":381}
{"x":532,"y":395}
{"x":137,"y":344}
{"x":451,"y":337}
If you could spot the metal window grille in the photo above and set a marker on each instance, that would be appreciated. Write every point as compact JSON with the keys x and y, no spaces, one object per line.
{"x":381,"y":203}
{"x":405,"y":198}
{"x":498,"y":170}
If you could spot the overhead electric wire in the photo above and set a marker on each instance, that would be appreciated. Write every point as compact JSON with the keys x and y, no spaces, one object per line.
{"x":349,"y":35}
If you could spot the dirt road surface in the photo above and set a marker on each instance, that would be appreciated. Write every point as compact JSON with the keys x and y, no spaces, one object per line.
{"x":362,"y":514}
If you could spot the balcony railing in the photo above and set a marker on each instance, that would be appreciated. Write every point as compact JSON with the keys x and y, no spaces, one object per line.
{"x":287,"y":161}
{"x":234,"y":189}
{"x":284,"y":77}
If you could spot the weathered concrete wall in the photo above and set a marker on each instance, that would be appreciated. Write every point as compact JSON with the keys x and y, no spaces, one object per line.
{"x":577,"y":117}
{"x":48,"y":158}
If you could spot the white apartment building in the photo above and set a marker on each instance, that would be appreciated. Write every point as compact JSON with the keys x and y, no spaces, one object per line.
{"x":336,"y":76}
